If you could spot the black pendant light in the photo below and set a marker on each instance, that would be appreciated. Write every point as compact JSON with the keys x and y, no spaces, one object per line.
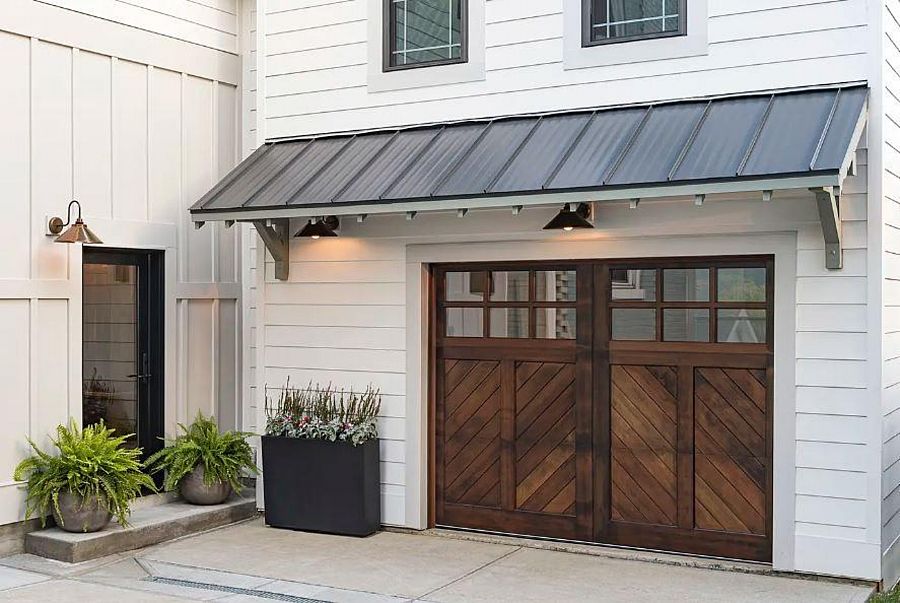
{"x":322,"y":227}
{"x":568,"y":219}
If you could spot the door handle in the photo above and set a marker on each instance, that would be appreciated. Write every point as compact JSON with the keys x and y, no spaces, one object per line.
{"x":138,"y":376}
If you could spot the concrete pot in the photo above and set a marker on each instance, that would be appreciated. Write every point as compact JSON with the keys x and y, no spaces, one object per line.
{"x":79,"y":514}
{"x":194,"y":491}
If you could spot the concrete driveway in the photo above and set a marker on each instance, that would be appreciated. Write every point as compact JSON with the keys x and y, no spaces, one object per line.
{"x":250,"y":562}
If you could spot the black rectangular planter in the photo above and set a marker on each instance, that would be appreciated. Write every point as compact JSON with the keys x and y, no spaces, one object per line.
{"x":321,"y":486}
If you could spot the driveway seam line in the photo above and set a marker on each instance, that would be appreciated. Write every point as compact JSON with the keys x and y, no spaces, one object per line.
{"x":466,"y":575}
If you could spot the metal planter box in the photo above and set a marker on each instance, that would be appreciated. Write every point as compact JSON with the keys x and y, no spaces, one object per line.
{"x":321,"y":486}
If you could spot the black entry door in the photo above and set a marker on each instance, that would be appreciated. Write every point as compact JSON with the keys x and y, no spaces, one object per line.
{"x":122,"y":356}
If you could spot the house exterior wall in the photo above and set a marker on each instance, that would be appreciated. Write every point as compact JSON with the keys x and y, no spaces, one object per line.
{"x":318,"y":54}
{"x":353,"y":311}
{"x":136,"y":124}
{"x":889,"y":195}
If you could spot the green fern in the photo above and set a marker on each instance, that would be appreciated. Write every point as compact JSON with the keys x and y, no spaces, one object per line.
{"x":90,"y":462}
{"x":224,"y":456}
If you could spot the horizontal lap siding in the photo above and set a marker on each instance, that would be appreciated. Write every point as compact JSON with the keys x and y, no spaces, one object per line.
{"x":833,"y":403}
{"x":340,"y":319}
{"x":890,"y":488}
{"x":317,"y":56}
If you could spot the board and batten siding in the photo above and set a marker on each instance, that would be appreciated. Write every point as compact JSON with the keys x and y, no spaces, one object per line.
{"x":211,"y":23}
{"x":137,"y":141}
{"x":317,"y":59}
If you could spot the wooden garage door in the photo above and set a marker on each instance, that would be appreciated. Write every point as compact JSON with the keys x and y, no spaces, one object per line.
{"x":620,"y":403}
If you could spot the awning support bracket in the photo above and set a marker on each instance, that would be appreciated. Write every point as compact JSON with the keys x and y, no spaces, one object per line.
{"x":828,"y":202}
{"x":276,"y":237}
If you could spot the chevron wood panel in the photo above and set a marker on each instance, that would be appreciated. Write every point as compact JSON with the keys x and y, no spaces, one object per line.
{"x":644,"y":405}
{"x":545,"y":437}
{"x":730,"y":449}
{"x":471,"y":451}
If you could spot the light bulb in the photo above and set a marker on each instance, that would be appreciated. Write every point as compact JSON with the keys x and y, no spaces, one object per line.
{"x":315,"y":237}
{"x":568,"y":229}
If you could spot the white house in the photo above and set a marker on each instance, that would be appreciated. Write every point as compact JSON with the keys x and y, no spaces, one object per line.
{"x":706,"y":363}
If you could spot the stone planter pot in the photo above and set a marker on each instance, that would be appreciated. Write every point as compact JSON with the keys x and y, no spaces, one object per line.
{"x":78,"y":514}
{"x":194,"y":491}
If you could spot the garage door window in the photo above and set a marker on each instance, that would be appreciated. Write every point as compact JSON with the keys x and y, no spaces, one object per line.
{"x":703,"y":304}
{"x":510,"y":304}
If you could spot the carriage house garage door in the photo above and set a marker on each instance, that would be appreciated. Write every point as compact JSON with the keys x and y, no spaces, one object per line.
{"x":619,"y":402}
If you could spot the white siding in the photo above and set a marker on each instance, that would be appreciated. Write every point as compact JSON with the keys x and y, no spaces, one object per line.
{"x":320,"y":326}
{"x":316,"y":55}
{"x":890,"y":521}
{"x":347,"y":308}
{"x":341,"y":319}
{"x":211,"y":23}
{"x":136,"y":142}
{"x":835,"y":403}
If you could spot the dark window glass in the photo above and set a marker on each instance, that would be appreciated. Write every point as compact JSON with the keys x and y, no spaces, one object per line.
{"x":465,"y":322}
{"x":742,"y":284}
{"x":555,"y":323}
{"x":620,"y":20}
{"x":555,"y":285}
{"x":742,"y":326}
{"x":685,"y":324}
{"x":686,"y":285}
{"x":633,"y":285}
{"x":634,"y":324}
{"x":425,"y":31}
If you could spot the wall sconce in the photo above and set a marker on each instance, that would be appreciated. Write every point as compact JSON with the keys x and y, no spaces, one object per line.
{"x":77,"y":232}
{"x":568,"y":219}
{"x":322,"y":227}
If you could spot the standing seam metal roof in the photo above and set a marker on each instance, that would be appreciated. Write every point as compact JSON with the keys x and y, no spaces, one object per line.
{"x":781,"y":134}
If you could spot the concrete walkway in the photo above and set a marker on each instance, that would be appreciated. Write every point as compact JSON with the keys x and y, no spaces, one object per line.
{"x":249,"y":562}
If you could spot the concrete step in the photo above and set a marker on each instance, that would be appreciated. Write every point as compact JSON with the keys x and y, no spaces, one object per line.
{"x":151,"y":522}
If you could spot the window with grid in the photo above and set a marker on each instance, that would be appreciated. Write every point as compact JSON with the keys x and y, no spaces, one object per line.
{"x":714,"y":304}
{"x":424,"y":32}
{"x":520,"y":304}
{"x":610,"y":21}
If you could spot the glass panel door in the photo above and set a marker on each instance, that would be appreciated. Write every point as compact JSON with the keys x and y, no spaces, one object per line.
{"x":112,"y":359}
{"x":122,"y":333}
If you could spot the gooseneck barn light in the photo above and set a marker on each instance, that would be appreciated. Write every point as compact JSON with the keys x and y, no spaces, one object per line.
{"x":77,"y":232}
{"x":568,"y":219}
{"x":322,"y":227}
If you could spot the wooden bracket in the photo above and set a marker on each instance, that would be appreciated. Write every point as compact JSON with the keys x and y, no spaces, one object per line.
{"x":276,"y":236}
{"x":828,"y":201}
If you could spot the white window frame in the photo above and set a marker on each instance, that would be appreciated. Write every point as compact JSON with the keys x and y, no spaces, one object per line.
{"x":578,"y":55}
{"x":425,"y":74}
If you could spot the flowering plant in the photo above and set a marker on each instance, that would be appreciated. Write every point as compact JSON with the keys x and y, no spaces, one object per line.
{"x":323,"y":413}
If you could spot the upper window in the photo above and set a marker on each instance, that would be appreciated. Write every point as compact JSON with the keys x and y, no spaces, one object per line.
{"x":424,"y":32}
{"x":609,"y":21}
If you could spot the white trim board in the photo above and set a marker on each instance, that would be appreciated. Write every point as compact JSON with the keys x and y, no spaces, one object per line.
{"x":784,"y":248}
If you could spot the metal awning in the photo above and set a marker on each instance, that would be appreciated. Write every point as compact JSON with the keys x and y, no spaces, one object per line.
{"x":789,"y":140}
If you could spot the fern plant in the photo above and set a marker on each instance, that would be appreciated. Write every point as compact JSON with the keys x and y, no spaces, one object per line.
{"x":224,"y":456}
{"x":89,"y":462}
